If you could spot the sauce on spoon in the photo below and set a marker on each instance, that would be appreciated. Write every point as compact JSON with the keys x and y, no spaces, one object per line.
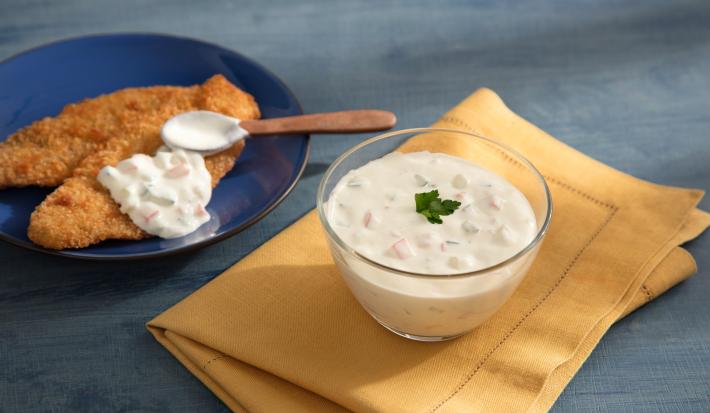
{"x":202,"y":131}
{"x":166,"y":195}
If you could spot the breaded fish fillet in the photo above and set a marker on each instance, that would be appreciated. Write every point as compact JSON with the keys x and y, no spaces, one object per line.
{"x":46,"y":152}
{"x":81,"y":212}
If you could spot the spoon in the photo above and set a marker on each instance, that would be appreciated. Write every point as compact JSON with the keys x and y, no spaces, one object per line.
{"x":208,"y":132}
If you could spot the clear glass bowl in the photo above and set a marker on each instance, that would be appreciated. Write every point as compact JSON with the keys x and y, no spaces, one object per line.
{"x":429,"y":307}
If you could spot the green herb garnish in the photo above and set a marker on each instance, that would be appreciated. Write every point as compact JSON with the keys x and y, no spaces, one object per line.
{"x":432,"y":207}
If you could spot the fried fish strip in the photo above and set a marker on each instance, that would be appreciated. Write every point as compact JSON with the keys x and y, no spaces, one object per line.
{"x":81,"y":212}
{"x":46,"y":152}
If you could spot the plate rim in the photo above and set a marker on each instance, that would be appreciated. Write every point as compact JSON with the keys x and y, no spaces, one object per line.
{"x":73,"y":254}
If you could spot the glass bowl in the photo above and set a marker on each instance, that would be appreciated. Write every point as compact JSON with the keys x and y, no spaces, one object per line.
{"x":438,"y":307}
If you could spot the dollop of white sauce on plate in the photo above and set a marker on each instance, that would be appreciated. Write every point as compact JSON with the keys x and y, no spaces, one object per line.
{"x":165,"y":194}
{"x":372,"y":209}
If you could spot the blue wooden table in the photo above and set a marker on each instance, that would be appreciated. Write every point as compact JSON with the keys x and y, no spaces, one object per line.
{"x":626,"y":82}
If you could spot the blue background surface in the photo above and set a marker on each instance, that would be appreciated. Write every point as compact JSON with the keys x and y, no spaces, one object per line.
{"x":626,"y":82}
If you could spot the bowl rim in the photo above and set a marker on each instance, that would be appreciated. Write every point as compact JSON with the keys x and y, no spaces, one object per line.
{"x":320,"y":204}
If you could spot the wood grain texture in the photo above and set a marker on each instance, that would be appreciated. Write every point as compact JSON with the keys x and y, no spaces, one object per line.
{"x":346,"y":121}
{"x":626,"y":82}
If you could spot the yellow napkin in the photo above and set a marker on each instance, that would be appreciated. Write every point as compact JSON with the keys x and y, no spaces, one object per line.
{"x":280,"y":332}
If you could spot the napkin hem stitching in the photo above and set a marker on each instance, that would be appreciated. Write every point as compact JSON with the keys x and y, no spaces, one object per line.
{"x":572,"y":263}
{"x":581,"y":193}
{"x":510,"y":159}
{"x":648,"y":292}
{"x":460,"y":123}
{"x":220,"y":356}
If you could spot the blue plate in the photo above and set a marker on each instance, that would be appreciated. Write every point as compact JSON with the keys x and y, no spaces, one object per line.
{"x":39,"y":82}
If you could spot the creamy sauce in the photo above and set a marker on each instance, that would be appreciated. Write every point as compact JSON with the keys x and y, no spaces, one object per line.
{"x":433,"y":306}
{"x":164,"y":195}
{"x":202,"y":131}
{"x":373,"y":210}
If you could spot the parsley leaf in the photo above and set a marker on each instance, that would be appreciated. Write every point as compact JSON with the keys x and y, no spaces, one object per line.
{"x":432,"y":207}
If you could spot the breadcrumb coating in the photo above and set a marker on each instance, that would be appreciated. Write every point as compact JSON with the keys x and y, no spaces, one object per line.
{"x":81,"y":212}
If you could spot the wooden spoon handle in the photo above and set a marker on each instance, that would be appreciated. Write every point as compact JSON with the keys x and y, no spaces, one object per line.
{"x":349,"y":121}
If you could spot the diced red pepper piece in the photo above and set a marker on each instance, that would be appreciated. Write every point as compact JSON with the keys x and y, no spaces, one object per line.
{"x":151,"y":215}
{"x":402,"y":249}
{"x":200,"y":210}
{"x":177,"y":171}
{"x":128,"y":167}
{"x":367,"y":219}
{"x":496,"y":202}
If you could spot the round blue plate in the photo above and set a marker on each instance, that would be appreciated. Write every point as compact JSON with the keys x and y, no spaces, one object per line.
{"x":39,"y":82}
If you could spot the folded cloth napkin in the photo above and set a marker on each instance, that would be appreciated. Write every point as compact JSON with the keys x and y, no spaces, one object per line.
{"x":280,"y":332}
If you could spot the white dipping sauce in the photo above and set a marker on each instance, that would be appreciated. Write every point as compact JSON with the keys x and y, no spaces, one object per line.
{"x":164,"y":195}
{"x":202,"y":131}
{"x":372,"y":209}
